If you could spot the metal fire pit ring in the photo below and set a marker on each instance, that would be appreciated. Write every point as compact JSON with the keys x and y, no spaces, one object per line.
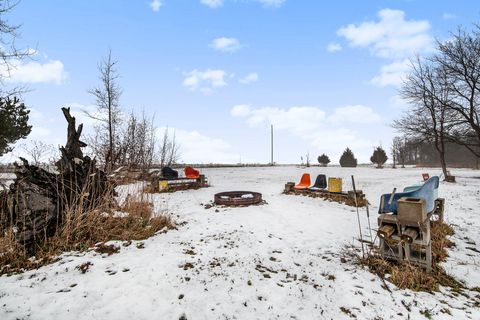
{"x":238,"y":198}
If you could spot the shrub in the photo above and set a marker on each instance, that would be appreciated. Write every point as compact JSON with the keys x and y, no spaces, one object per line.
{"x":13,"y":123}
{"x":324,"y":160}
{"x":348,"y":159}
{"x":379,"y":157}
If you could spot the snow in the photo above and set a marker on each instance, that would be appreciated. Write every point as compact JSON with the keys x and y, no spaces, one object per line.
{"x":6,"y":179}
{"x":211,"y":267}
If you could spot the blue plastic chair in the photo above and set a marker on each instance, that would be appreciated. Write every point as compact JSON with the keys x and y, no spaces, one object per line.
{"x":428,"y":191}
{"x":320,"y":183}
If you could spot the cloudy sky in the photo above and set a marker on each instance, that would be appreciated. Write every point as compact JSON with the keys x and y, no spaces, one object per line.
{"x":220,"y":72}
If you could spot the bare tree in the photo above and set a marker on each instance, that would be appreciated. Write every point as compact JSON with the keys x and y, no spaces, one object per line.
{"x":174,"y":155}
{"x":138,"y":144}
{"x":10,"y":55}
{"x":107,"y":99}
{"x":169,"y":152}
{"x":39,"y":152}
{"x":459,"y":58}
{"x":398,"y":151}
{"x":427,"y":90}
{"x":393,"y":150}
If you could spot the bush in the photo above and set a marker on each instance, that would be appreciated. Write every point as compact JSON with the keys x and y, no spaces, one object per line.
{"x":324,"y":160}
{"x":13,"y":123}
{"x":379,"y":157}
{"x":348,"y":159}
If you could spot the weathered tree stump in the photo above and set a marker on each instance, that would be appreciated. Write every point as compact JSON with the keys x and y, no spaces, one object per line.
{"x":38,"y":200}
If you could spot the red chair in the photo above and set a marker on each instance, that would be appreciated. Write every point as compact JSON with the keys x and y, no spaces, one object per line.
{"x":304,"y":182}
{"x":191,"y":173}
{"x":425,"y":176}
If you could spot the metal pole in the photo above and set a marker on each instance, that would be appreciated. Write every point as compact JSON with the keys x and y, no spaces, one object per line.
{"x":271,"y":143}
{"x":369,"y":226}
{"x":358,"y":216}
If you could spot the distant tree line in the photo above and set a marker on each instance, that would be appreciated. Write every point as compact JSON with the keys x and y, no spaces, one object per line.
{"x":423,"y":153}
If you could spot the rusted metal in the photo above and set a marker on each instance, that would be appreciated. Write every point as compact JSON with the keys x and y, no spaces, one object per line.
{"x":238,"y":198}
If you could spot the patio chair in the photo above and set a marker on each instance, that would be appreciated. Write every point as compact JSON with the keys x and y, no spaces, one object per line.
{"x":169,"y":173}
{"x":304,"y":182}
{"x":191,"y":173}
{"x":427,"y":191}
{"x":320,"y":183}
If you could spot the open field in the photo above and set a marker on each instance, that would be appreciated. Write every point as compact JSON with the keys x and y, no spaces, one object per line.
{"x":280,"y":260}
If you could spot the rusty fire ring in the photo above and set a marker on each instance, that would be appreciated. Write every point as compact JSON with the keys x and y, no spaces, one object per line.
{"x":238,"y":198}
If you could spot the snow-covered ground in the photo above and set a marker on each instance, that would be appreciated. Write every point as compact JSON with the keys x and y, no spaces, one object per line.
{"x":280,"y":260}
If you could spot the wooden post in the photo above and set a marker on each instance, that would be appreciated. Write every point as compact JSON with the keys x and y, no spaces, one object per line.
{"x":289,"y":187}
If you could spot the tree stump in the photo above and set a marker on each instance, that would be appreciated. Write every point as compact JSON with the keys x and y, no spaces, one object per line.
{"x":39,"y":199}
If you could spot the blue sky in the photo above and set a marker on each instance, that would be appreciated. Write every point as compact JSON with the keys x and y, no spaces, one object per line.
{"x":325,"y":74}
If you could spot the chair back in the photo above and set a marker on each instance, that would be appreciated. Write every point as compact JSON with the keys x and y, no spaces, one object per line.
{"x":191,"y":173}
{"x":320,"y":182}
{"x":427,"y":191}
{"x":305,"y":180}
{"x":169,"y":173}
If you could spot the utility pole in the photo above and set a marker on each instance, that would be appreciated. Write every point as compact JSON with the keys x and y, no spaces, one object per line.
{"x":271,"y":142}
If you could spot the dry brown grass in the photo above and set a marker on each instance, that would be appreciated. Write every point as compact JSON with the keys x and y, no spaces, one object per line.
{"x":408,"y":276}
{"x":83,"y":230}
{"x":440,"y":242}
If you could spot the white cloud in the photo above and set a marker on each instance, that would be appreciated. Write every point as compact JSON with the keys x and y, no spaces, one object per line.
{"x":304,"y":119}
{"x":225,"y":44}
{"x":295,"y":119}
{"x":354,"y":114}
{"x":272,"y":3}
{"x":195,"y":147}
{"x":391,"y":37}
{"x":323,"y":133}
{"x":392,"y":74}
{"x":266,"y":3}
{"x":155,"y":5}
{"x":35,"y":72}
{"x":335,"y":140}
{"x":241,"y":110}
{"x":205,"y":81}
{"x":448,"y":16}
{"x":79,"y":110}
{"x":334,"y":47}
{"x":249,"y":78}
{"x":212,"y":3}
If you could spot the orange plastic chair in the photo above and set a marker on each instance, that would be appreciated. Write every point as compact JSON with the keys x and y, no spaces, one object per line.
{"x":191,"y":173}
{"x":304,"y":182}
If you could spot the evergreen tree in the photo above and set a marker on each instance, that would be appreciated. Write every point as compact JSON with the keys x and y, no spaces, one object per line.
{"x":348,"y":159}
{"x":13,"y":123}
{"x":379,"y":157}
{"x":324,"y":160}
